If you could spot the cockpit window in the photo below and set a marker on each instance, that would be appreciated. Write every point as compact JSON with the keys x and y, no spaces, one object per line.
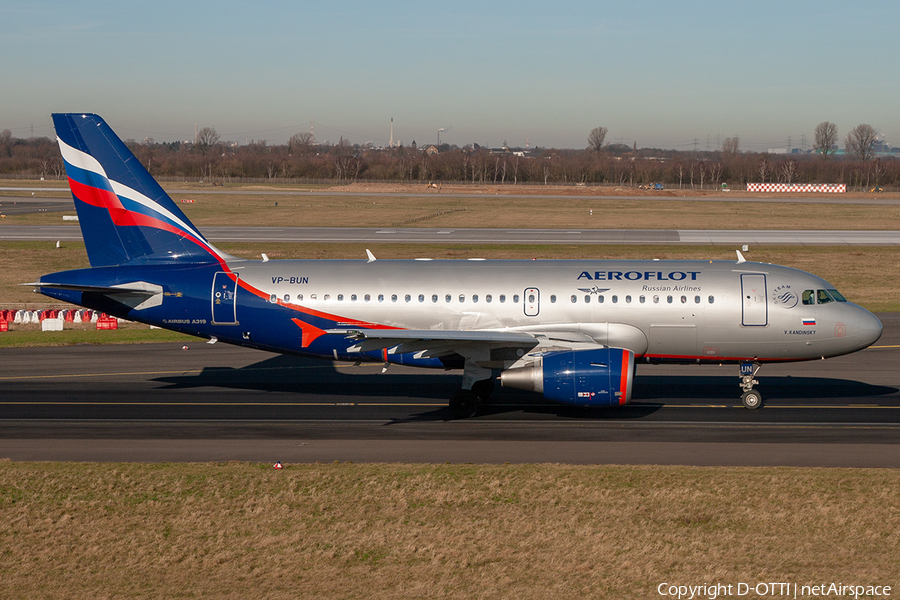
{"x":823,"y":297}
{"x":809,"y":297}
{"x":837,"y":295}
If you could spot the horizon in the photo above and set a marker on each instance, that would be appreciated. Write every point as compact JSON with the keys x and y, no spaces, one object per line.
{"x":674,"y":77}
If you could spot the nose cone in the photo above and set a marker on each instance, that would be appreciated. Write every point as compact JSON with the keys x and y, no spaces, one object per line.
{"x":868,"y":328}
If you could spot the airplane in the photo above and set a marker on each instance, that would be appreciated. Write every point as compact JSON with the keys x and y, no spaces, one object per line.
{"x":570,"y":330}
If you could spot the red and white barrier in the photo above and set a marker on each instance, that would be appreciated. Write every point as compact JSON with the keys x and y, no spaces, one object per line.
{"x":819,"y":188}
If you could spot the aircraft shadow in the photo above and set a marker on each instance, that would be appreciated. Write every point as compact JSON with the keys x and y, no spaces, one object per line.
{"x":315,"y":380}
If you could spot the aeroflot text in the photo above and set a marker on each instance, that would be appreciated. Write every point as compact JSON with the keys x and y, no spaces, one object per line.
{"x":790,"y":590}
{"x":639,"y":275}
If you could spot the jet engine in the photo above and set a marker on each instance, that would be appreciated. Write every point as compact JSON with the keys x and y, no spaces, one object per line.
{"x":595,"y":377}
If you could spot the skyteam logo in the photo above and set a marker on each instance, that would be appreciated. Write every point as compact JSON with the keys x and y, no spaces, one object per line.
{"x":593,"y":291}
{"x":784,"y":297}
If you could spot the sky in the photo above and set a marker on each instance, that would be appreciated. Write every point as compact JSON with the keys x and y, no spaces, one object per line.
{"x":657,"y":73}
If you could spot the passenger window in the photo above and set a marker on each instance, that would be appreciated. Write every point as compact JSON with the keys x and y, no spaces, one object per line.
{"x":809,"y":297}
{"x":287,"y":297}
{"x":696,"y":299}
{"x":574,"y":298}
{"x":615,"y":299}
{"x":488,"y":298}
{"x":586,"y":299}
{"x":340,"y":297}
{"x":273,"y":298}
{"x":381,"y":297}
{"x":655,"y":299}
{"x":421,"y":297}
{"x":515,"y":298}
{"x":407,"y":298}
{"x":712,"y":299}
{"x":312,"y":296}
{"x":326,"y":297}
{"x":552,"y":299}
{"x":601,"y":299}
{"x":628,"y":299}
{"x":448,"y":298}
{"x":669,"y":299}
{"x":434,"y":298}
{"x":300,"y":298}
{"x":684,"y":299}
{"x":368,"y":297}
{"x":642,"y":299}
{"x":502,"y":298}
{"x":474,"y":297}
{"x":352,"y":297}
{"x":462,"y":297}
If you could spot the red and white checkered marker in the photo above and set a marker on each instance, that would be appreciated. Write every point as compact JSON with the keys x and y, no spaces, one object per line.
{"x":826,"y":188}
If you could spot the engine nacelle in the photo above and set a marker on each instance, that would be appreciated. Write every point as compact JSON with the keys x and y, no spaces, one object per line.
{"x":599,"y":377}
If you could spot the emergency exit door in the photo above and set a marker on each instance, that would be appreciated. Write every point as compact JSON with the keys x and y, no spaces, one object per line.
{"x":753,"y":300}
{"x":532,"y":300}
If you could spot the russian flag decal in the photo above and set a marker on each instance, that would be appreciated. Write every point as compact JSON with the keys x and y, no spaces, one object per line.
{"x":809,"y":321}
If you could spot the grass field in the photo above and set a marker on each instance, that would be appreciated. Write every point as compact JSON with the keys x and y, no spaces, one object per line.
{"x":242,"y":530}
{"x":499,"y":209}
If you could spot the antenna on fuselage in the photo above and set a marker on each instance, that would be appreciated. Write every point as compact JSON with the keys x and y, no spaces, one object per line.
{"x":370,"y":255}
{"x":740,"y":257}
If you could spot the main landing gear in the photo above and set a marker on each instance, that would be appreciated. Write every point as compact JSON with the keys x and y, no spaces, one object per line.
{"x":465,"y":403}
{"x":751,"y":398}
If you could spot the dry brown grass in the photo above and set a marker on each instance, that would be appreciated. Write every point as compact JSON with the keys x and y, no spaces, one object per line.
{"x":451,"y":531}
{"x":505,"y":212}
{"x":495,"y":207}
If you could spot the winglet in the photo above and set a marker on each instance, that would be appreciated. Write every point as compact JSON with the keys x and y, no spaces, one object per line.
{"x":370,"y":255}
{"x":740,"y":257}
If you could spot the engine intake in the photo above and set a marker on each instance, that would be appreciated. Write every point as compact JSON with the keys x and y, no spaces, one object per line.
{"x":600,"y":377}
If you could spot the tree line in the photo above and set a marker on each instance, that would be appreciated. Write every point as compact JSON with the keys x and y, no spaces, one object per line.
{"x":210,"y":159}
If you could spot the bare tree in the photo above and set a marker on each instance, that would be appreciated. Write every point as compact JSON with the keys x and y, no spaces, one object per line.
{"x":299,"y":141}
{"x":596,"y":137}
{"x":715,"y":172}
{"x":207,"y":138}
{"x":789,"y":171}
{"x":860,"y":142}
{"x":763,"y":168}
{"x":826,"y":138}
{"x":731,"y":146}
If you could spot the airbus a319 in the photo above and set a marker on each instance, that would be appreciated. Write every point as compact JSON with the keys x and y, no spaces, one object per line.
{"x":570,"y":330}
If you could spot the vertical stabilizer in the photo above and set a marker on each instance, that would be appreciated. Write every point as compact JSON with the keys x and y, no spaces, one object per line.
{"x":125,"y":216}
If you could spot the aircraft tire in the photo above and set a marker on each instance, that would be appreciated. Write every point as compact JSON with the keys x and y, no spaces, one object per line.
{"x":752,"y":399}
{"x":464,"y":404}
{"x":483,"y":389}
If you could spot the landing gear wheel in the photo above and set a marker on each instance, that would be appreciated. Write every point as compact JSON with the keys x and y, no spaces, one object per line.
{"x":483,"y":389}
{"x":464,"y":404}
{"x":752,"y":399}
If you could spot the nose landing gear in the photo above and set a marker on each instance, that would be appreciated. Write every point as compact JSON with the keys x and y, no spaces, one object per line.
{"x":751,"y":398}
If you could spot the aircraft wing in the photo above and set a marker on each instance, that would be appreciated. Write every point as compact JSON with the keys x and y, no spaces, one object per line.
{"x":497,"y":349}
{"x":434,"y":342}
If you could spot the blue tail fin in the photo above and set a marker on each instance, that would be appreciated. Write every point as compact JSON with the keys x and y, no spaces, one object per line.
{"x":125,"y":216}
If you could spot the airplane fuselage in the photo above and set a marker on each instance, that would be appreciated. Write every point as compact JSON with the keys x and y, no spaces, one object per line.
{"x":684,"y":311}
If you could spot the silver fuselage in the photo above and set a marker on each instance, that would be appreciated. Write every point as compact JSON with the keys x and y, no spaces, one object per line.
{"x":690,"y":311}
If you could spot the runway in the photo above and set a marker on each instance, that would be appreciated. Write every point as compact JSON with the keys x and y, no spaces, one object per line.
{"x":418,"y":235}
{"x":159,"y":402}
